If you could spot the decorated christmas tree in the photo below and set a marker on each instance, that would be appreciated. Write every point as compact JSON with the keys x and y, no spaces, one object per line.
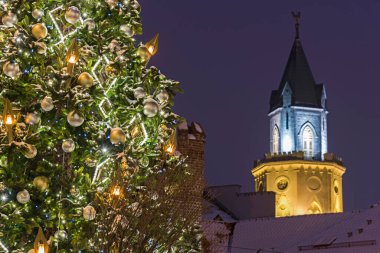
{"x":88,"y":159}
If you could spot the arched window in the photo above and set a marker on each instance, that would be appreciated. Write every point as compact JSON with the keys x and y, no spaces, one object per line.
{"x":308,"y":141}
{"x":276,"y":140}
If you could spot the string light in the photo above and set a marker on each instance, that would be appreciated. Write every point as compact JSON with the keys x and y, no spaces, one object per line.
{"x":3,"y":247}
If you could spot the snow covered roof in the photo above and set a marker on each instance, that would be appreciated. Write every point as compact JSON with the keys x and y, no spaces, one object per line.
{"x":350,"y":232}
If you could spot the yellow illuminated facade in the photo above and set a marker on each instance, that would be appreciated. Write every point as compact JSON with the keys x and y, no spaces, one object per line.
{"x":301,"y":186}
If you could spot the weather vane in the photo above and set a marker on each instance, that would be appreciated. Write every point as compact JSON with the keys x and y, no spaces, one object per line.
{"x":297,"y":16}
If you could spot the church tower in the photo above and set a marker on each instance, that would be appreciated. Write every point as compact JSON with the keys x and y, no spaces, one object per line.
{"x":305,"y":177}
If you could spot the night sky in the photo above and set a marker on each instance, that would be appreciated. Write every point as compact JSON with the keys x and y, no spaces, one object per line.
{"x":229,"y":55}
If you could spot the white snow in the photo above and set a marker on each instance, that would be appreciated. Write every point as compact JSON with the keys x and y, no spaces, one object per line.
{"x":183,"y":125}
{"x":198,"y":127}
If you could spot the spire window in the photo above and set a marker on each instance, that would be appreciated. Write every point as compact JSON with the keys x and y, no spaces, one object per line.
{"x":276,"y":140}
{"x":308,"y":141}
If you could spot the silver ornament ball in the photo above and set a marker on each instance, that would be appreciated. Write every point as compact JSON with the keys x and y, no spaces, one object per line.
{"x":127,"y":29}
{"x":89,"y":213}
{"x":23,"y":197}
{"x":72,"y":15}
{"x":61,"y":235}
{"x":151,"y":107}
{"x":75,"y":119}
{"x":163,"y":97}
{"x":37,"y":14}
{"x":139,"y":92}
{"x":89,"y":24}
{"x":32,"y":118}
{"x":68,"y":145}
{"x":47,"y":104}
{"x":9,"y":19}
{"x":11,"y":69}
{"x":30,"y":151}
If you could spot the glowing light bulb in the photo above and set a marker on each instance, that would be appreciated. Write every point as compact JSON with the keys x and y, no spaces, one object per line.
{"x":151,"y":49}
{"x":116,"y":191}
{"x":9,"y":120}
{"x":170,"y":149}
{"x":72,"y":59}
{"x":41,"y":248}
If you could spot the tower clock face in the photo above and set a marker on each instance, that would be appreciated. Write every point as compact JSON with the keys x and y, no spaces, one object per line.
{"x":282,"y":184}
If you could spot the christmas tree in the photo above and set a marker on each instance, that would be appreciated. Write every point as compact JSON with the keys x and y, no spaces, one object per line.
{"x":88,"y":158}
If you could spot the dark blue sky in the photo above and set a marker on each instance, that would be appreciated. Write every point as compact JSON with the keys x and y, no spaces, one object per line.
{"x":229,"y":55}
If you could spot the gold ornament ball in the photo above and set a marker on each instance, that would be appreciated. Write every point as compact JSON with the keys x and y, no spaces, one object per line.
{"x":32,"y":251}
{"x":37,"y":14}
{"x":32,"y":118}
{"x":41,"y":183}
{"x":151,"y":107}
{"x":68,"y":145}
{"x":85,"y":80}
{"x":75,"y":119}
{"x":117,"y":136}
{"x":30,"y":151}
{"x":9,"y":19}
{"x":11,"y":69}
{"x":72,"y":15}
{"x":89,"y":213}
{"x":39,"y":31}
{"x":47,"y":104}
{"x":23,"y":197}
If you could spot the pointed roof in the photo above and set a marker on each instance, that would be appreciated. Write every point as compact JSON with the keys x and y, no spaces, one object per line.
{"x":297,"y":73}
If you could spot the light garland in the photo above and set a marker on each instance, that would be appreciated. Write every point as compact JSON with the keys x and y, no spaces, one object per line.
{"x":62,"y":37}
{"x":96,"y":173}
{"x":3,"y":247}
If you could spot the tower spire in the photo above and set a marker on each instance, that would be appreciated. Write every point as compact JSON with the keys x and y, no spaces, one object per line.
{"x":297,"y":16}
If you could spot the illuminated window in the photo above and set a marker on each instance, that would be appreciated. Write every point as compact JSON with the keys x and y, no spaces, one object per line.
{"x":307,"y":140}
{"x":276,"y":140}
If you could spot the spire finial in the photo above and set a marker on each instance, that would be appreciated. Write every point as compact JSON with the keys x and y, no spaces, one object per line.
{"x":297,"y":16}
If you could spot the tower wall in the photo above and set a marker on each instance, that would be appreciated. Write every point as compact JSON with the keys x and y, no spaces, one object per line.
{"x":302,"y":186}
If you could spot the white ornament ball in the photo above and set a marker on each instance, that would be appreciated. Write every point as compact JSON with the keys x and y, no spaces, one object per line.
{"x":39,"y":31}
{"x":163,"y":97}
{"x":37,"y":14}
{"x":23,"y":197}
{"x":60,"y":235}
{"x":74,"y":119}
{"x":127,"y":29}
{"x":30,"y":151}
{"x":68,"y":145}
{"x":9,"y":19}
{"x":32,"y":118}
{"x":89,"y":213}
{"x":117,"y":136}
{"x":47,"y":104}
{"x":151,"y":107}
{"x":139,"y":92}
{"x":11,"y":69}
{"x":89,"y":24}
{"x":72,"y":15}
